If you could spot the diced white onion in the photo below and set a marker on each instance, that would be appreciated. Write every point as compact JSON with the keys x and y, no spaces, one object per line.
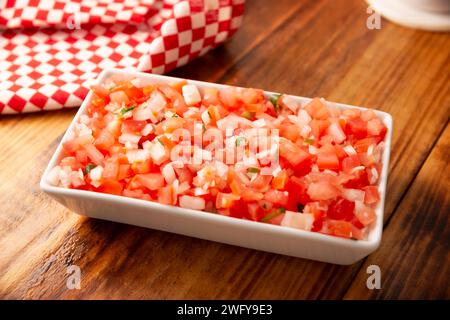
{"x":302,"y":221}
{"x":191,"y":94}
{"x":350,"y":150}
{"x":313,"y":150}
{"x":190,"y":202}
{"x":96,"y":176}
{"x":356,"y":169}
{"x":129,"y":137}
{"x":168,"y":173}
{"x":353,"y":194}
{"x":289,"y":102}
{"x":260,"y":123}
{"x":148,"y":128}
{"x":335,"y":131}
{"x":158,"y":153}
{"x":205,"y":117}
{"x":53,"y":176}
{"x":221,"y":169}
{"x":137,"y":155}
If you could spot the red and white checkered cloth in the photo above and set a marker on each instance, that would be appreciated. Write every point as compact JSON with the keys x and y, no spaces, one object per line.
{"x":51,"y":51}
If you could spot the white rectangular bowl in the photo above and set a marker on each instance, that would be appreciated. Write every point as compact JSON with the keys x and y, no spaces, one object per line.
{"x":204,"y":225}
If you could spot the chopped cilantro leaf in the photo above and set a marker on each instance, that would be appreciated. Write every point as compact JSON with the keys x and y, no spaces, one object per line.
{"x":240,"y":141}
{"x":89,"y":167}
{"x":274,"y":100}
{"x":125,"y":110}
{"x":253,"y":170}
{"x":248,"y":115}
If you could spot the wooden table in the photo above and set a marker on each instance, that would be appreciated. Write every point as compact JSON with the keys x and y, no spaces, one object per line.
{"x":308,"y":48}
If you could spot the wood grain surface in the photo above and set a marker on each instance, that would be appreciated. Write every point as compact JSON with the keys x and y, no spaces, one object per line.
{"x":308,"y":48}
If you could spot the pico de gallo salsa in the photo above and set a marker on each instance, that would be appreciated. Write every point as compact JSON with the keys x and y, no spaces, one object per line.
{"x":328,"y":160}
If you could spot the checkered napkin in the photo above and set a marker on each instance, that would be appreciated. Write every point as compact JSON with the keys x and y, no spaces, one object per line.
{"x":51,"y":51}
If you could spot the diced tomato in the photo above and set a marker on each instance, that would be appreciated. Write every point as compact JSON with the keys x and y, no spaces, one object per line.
{"x":111,"y":186}
{"x":262,"y":182}
{"x":357,"y":127}
{"x":277,"y":197}
{"x":133,"y":126}
{"x":292,"y":153}
{"x":318,"y":127}
{"x":142,"y":166}
{"x":184,"y":175}
{"x":341,"y":210}
{"x":152,"y":181}
{"x":165,"y":195}
{"x":322,"y":191}
{"x":225,"y":200}
{"x":362,"y":145}
{"x":317,"y":109}
{"x":94,"y":154}
{"x":280,"y":180}
{"x":111,"y":169}
{"x":124,"y":171}
{"x":349,"y":163}
{"x":105,"y":140}
{"x":328,"y":161}
{"x":255,"y":212}
{"x":291,"y":132}
{"x":372,"y":195}
{"x":70,"y":162}
{"x":251,"y":195}
{"x":359,"y":182}
{"x":340,"y":228}
{"x":239,"y":209}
